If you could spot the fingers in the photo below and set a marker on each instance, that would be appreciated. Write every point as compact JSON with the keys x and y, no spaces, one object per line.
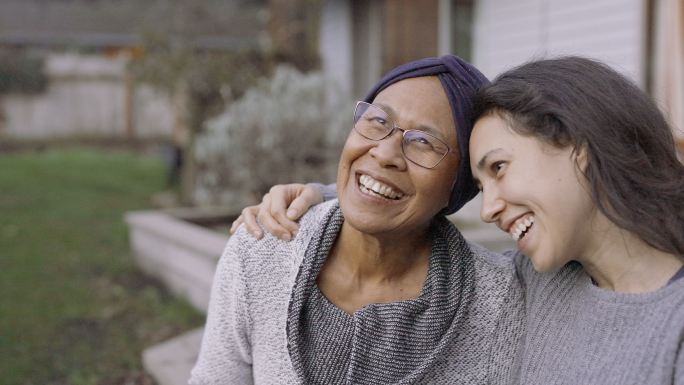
{"x":273,"y":217}
{"x":279,"y":210}
{"x":309,"y":196}
{"x":236,"y":224}
{"x":248,"y":218}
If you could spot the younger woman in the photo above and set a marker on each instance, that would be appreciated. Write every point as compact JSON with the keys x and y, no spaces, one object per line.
{"x":579,"y":167}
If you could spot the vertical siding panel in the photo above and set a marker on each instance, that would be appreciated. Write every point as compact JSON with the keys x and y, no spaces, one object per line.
{"x":510,"y":33}
{"x":609,"y":30}
{"x":506,"y":33}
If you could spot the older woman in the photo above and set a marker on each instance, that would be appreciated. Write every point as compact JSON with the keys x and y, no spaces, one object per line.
{"x":579,"y":167}
{"x":378,"y":288}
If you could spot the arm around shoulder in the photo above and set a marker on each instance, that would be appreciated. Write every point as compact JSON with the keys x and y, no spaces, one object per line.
{"x":226,"y":356}
{"x":328,"y":192}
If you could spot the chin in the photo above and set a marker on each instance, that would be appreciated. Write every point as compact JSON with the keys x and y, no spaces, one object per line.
{"x":544,"y":264}
{"x":363,"y":221}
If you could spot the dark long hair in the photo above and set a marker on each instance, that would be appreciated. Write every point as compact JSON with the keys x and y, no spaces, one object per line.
{"x":633,"y":172}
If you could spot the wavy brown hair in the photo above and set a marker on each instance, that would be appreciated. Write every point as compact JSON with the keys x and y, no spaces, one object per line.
{"x":634,"y":175}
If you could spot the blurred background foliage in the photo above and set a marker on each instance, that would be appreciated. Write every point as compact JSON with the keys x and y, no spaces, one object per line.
{"x":202,"y":81}
{"x":286,"y":128}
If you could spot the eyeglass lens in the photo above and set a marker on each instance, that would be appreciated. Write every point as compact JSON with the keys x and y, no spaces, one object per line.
{"x":419,"y":147}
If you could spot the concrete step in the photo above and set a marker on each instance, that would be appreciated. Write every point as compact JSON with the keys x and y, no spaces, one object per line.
{"x":181,"y":254}
{"x":170,"y":362}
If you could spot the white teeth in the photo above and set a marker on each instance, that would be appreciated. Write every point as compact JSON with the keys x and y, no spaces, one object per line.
{"x":519,"y":228}
{"x":363,"y":179}
{"x":369,"y":184}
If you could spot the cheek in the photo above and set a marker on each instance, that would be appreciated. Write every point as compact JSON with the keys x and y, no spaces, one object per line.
{"x":349,"y":152}
{"x":564,"y":192}
{"x":441,"y":183}
{"x":567,"y":209}
{"x":354,"y":148}
{"x":344,"y":165}
{"x":536,"y":179}
{"x":445,"y":192}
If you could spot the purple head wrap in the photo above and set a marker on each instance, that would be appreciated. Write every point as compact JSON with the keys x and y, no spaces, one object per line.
{"x":460,"y":81}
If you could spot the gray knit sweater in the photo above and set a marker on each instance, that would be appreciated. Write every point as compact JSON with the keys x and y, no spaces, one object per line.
{"x":578,"y":333}
{"x":254,"y":332}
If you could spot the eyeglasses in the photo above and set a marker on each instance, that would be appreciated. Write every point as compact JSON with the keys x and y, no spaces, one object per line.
{"x":419,"y":147}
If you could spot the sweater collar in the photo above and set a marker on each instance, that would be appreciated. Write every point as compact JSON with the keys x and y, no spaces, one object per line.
{"x":396,"y":342}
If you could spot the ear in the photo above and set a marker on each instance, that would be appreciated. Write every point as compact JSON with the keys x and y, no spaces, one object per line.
{"x":582,"y":159}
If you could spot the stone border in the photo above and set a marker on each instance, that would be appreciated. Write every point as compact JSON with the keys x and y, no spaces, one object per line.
{"x":179,"y":253}
{"x":171,"y":361}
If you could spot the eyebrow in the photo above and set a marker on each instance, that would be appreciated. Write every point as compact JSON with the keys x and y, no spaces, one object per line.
{"x":483,"y":160}
{"x":420,"y":127}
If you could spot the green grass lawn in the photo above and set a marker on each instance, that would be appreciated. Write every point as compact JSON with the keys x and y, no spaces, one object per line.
{"x":73,"y":307}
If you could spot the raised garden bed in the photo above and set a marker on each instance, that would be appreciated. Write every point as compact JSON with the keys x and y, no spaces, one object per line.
{"x":180,"y":247}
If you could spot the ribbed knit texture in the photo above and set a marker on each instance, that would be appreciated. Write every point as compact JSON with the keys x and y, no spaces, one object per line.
{"x":578,"y":333}
{"x":391,"y":343}
{"x":328,"y":343}
{"x":252,"y":302}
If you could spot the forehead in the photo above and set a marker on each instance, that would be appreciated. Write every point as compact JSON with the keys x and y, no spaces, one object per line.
{"x":491,"y":131}
{"x":419,"y":101}
{"x":493,"y":138}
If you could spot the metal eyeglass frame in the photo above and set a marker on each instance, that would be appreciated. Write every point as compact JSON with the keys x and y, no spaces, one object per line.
{"x":403,"y":132}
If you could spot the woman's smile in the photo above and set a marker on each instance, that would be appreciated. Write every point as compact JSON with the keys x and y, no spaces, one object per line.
{"x":520,"y":227}
{"x":524,"y":233}
{"x":373,"y":187}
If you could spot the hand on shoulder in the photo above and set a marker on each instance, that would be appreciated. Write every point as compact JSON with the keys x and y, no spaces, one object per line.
{"x":279,"y":210}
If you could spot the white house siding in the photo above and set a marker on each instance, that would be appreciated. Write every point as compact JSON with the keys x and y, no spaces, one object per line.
{"x":335,"y":44}
{"x":86,"y":96}
{"x":508,"y":33}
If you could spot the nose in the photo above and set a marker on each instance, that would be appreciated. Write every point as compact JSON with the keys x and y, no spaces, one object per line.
{"x":492,"y":205}
{"x":387,"y":152}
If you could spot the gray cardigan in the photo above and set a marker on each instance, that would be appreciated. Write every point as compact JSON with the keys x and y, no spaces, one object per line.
{"x":247,"y":341}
